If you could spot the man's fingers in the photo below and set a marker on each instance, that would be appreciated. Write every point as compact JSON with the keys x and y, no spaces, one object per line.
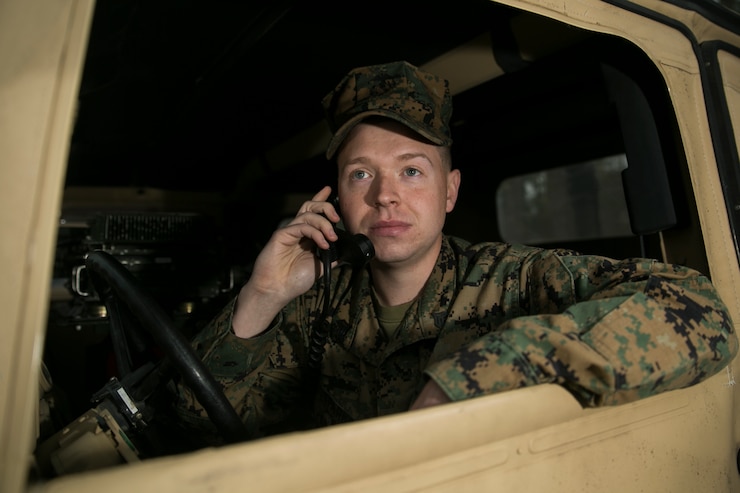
{"x":323,"y":194}
{"x":314,"y":227}
{"x":319,"y":205}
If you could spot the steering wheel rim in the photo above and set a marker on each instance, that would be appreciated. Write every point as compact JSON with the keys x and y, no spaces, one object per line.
{"x":105,"y":269}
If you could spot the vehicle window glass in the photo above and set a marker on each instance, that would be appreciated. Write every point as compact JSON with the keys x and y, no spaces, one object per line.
{"x":580,"y":201}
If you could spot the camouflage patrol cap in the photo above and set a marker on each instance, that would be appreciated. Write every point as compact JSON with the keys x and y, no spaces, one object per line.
{"x":397,"y":90}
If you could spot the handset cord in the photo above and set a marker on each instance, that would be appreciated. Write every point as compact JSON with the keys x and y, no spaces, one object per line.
{"x":320,"y":332}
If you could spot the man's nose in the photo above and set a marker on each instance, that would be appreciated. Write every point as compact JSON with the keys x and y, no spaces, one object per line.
{"x":385,"y":191}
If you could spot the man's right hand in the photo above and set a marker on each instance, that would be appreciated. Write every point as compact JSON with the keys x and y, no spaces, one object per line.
{"x":287,"y":266}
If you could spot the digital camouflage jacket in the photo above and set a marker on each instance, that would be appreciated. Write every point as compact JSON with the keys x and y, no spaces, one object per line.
{"x":491,"y":317}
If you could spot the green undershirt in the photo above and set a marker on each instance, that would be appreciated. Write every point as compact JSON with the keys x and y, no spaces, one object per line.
{"x":390,"y":316}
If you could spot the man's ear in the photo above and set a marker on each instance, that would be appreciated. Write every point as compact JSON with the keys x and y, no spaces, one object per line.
{"x":453,"y":187}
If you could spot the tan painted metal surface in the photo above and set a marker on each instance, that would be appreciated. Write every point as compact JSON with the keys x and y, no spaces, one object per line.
{"x":42,"y":45}
{"x":527,"y":440}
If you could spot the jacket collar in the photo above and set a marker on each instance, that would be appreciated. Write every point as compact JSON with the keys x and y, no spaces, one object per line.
{"x":423,"y":320}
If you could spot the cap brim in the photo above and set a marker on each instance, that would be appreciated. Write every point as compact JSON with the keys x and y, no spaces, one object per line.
{"x":346,"y":128}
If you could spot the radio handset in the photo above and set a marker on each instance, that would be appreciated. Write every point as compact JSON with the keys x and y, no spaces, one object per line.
{"x":355,"y":250}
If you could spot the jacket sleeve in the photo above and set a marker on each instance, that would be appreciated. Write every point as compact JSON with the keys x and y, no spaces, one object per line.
{"x":260,"y":376}
{"x":608,"y":331}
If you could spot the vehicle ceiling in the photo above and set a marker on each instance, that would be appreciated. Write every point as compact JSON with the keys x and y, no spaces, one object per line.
{"x":181,"y":94}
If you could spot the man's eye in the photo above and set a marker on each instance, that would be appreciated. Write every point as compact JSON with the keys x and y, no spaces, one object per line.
{"x":358,"y":175}
{"x":412,"y":172}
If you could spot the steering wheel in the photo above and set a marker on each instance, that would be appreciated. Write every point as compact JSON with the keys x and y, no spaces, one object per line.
{"x":117,"y":283}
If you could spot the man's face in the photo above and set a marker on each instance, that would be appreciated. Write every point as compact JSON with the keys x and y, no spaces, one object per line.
{"x":396,"y":190}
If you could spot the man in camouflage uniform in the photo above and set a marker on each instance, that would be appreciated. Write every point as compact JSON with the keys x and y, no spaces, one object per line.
{"x":433,"y":319}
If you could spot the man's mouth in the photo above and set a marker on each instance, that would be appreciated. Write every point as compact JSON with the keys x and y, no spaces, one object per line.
{"x":389,"y":228}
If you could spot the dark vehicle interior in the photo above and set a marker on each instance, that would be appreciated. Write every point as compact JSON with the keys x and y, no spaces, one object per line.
{"x":199,"y":128}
